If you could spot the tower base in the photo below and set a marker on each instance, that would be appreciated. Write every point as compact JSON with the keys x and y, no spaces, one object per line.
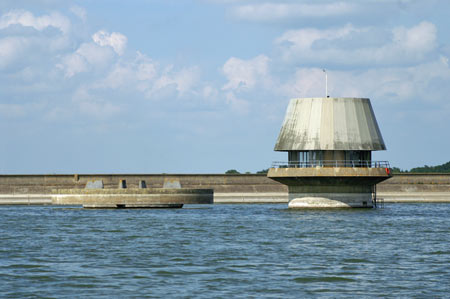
{"x":330,"y":187}
{"x":327,"y":200}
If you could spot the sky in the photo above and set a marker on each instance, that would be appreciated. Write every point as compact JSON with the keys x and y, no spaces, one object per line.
{"x":202,"y":86}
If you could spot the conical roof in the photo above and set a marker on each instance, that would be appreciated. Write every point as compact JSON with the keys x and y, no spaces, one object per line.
{"x":330,"y":124}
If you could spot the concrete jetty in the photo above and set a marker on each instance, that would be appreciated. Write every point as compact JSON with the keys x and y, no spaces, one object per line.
{"x":132,"y":198}
{"x":95,"y":196}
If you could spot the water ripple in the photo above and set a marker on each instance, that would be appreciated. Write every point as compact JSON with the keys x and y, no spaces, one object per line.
{"x":225,"y":251}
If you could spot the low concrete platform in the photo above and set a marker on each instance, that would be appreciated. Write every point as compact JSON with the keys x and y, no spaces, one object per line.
{"x":132,"y":198}
{"x":25,"y":199}
{"x":415,"y":197}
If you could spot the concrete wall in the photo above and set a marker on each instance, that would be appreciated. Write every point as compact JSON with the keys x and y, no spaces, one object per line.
{"x":416,"y":188}
{"x":36,"y":189}
{"x":34,"y":184}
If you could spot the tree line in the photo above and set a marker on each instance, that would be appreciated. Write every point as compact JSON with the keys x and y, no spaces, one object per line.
{"x":443,"y":168}
{"x":234,"y":171}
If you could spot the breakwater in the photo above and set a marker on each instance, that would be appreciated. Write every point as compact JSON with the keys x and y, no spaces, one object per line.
{"x":240,"y":188}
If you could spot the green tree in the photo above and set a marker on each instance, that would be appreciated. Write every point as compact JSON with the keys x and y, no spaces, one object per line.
{"x":398,"y":170}
{"x":443,"y":168}
{"x":232,"y":171}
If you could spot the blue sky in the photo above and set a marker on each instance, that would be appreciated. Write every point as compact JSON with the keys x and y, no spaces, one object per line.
{"x":201,"y":86}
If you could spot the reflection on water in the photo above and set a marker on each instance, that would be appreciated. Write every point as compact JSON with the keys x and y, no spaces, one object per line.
{"x":223,"y":250}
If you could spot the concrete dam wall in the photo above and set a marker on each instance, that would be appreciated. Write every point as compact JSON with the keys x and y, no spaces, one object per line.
{"x":241,"y":188}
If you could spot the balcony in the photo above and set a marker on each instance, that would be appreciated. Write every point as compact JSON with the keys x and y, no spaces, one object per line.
{"x":330,"y":173}
{"x":331,"y":163}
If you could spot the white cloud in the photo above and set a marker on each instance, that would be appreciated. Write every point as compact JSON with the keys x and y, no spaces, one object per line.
{"x":138,"y":73}
{"x":146,"y":69}
{"x":210,"y":93}
{"x":305,"y":82}
{"x":283,"y":11}
{"x":79,"y":11}
{"x":424,"y":82}
{"x":340,"y":46}
{"x":115,"y":40}
{"x":103,"y":79}
{"x":384,"y":84}
{"x":244,"y":74}
{"x":95,"y":55}
{"x":73,"y":64}
{"x":183,"y":81}
{"x":10,"y":50}
{"x":89,"y":56}
{"x":22,"y":46}
{"x":304,"y":39}
{"x":420,"y":38}
{"x":238,"y":105}
{"x":97,"y":77}
{"x":186,"y":79}
{"x":245,"y":79}
{"x":147,"y":77}
{"x":120,"y":75}
{"x":27,"y":19}
{"x":94,"y":105}
{"x":19,"y":51}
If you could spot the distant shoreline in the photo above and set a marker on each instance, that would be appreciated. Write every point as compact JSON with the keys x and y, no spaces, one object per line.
{"x":31,"y":189}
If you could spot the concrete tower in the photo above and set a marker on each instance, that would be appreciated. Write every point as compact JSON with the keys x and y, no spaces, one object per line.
{"x":329,"y":142}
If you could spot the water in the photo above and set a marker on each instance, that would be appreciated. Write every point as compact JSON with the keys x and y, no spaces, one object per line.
{"x":223,"y":251}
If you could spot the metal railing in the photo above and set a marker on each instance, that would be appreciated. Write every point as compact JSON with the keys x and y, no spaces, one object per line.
{"x":331,"y":163}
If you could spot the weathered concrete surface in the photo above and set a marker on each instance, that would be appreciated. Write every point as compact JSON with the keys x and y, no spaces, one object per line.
{"x":40,"y":184}
{"x":414,"y":197}
{"x":329,"y":171}
{"x":25,"y":199}
{"x":254,"y":188}
{"x":132,"y":198}
{"x":326,"y":176}
{"x":433,"y":187}
{"x":329,"y":201}
{"x":251,"y":197}
{"x":329,"y":124}
{"x":94,"y":184}
{"x":334,"y":187}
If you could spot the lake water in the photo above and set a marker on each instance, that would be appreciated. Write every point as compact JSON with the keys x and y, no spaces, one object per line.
{"x":225,"y":251}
